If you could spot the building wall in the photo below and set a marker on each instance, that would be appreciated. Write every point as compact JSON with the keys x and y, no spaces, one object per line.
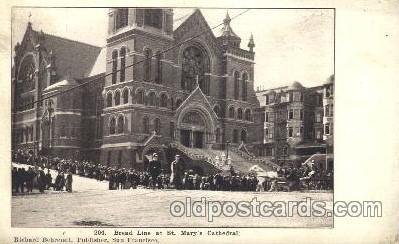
{"x":139,"y":38}
{"x":81,"y":119}
{"x":293,"y":134}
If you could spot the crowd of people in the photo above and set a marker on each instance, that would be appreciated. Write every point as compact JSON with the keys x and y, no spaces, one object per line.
{"x":35,"y":177}
{"x":155,"y":177}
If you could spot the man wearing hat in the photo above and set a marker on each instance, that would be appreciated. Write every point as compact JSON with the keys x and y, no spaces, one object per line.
{"x":154,"y":169}
{"x":309,"y":173}
{"x":177,"y":169}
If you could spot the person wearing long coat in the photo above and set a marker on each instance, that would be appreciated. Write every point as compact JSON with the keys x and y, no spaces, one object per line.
{"x":49,"y":180}
{"x":41,"y":181}
{"x":68,"y":184}
{"x":177,"y":169}
{"x":154,"y":169}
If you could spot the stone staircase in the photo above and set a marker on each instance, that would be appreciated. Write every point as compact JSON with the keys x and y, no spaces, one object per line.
{"x":240,"y":160}
{"x":198,"y":154}
{"x":263,"y":163}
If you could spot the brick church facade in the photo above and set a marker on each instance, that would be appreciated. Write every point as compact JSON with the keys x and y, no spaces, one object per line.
{"x":137,"y":95}
{"x":195,"y":99}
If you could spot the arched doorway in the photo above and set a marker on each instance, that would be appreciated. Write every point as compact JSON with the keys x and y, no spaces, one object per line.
{"x":193,"y":130}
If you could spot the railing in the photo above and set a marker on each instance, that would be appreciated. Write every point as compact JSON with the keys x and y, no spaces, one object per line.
{"x":241,"y":53}
{"x":253,"y":158}
{"x":209,"y":157}
{"x":196,"y":154}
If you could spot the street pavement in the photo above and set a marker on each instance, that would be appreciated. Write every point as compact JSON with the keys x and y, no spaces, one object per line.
{"x":92,"y":204}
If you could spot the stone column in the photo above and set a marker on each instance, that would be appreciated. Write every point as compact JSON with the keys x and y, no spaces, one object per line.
{"x":191,"y":138}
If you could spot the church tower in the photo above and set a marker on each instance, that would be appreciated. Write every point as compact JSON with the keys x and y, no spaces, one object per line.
{"x":134,"y":34}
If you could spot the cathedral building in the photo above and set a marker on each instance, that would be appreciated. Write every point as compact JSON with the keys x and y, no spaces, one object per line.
{"x":155,"y":87}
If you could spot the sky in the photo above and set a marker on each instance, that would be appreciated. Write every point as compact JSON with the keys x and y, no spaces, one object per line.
{"x":290,"y":44}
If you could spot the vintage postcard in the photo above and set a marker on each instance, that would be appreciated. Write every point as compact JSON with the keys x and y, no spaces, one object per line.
{"x":167,"y":123}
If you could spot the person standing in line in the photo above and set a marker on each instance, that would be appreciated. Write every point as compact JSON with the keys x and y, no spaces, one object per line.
{"x":154,"y":169}
{"x":111,"y":180}
{"x":21,"y":178}
{"x":49,"y":180}
{"x":177,"y":169}
{"x":122,"y":178}
{"x":62,"y":182}
{"x":57,"y":181}
{"x":14,"y":179}
{"x":68,"y":185}
{"x":41,"y":181}
{"x":30,"y":175}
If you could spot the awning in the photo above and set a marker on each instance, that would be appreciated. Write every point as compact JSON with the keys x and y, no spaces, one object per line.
{"x":318,"y":159}
{"x":310,"y":145}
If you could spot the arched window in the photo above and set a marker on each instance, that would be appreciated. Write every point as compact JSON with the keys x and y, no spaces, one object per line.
{"x":117,"y":98}
{"x":235,"y":136}
{"x":121,"y":123}
{"x":152,"y":99}
{"x":153,"y":17}
{"x":114,"y":65}
{"x":248,"y":115}
{"x":147,"y":64}
{"x":231,"y":112}
{"x":140,"y":97}
{"x":239,"y":113}
{"x":121,"y":18}
{"x":195,"y":64}
{"x":112,"y":126}
{"x":157,"y":126}
{"x":164,"y":100}
{"x":123,"y":64}
{"x":125,"y":96}
{"x":244,"y":86}
{"x":158,"y":77}
{"x":27,"y":74}
{"x":216,"y":109}
{"x":244,"y":136}
{"x":146,"y":126}
{"x":109,"y":99}
{"x":236,"y":85}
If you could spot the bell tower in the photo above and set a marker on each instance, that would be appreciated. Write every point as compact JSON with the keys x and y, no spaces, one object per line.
{"x":153,"y":20}
{"x":133,"y":34}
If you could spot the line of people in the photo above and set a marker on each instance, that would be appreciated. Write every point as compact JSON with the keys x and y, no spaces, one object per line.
{"x":178,"y":177}
{"x":36,"y":178}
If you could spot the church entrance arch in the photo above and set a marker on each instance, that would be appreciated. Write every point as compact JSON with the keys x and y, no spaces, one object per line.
{"x":195,"y":129}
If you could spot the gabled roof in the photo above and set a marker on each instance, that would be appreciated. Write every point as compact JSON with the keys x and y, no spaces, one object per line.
{"x":100,"y":64}
{"x":187,"y":19}
{"x":61,"y":84}
{"x":179,"y":20}
{"x":72,"y":58}
{"x":197,"y":94}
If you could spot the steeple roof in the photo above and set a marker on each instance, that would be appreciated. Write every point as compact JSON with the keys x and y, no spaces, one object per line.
{"x":226,"y":30}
